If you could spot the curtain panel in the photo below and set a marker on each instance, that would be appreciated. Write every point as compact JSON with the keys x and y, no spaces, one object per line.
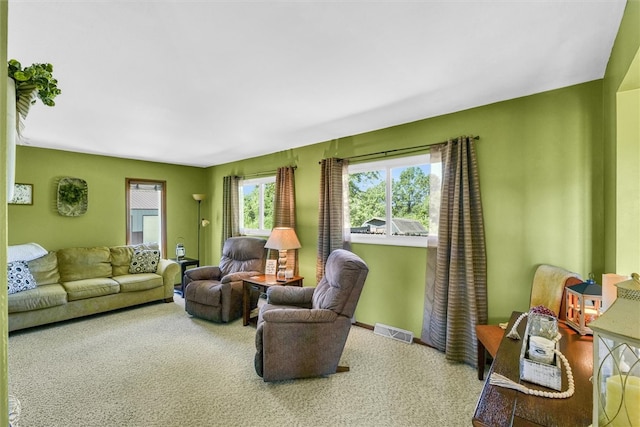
{"x":460,"y":284}
{"x":285,"y":208}
{"x":333,"y":221}
{"x":435,"y":195}
{"x":230,"y":208}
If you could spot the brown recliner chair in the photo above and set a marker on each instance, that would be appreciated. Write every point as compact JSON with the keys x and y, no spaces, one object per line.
{"x":301,"y":332}
{"x":215,"y":293}
{"x":547,"y":290}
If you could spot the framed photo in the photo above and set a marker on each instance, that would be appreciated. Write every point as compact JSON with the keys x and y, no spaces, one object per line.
{"x":271,"y":267}
{"x":22,"y":194}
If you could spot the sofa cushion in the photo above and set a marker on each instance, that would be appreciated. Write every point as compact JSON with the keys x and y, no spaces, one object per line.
{"x":45,"y":269}
{"x":89,"y":288}
{"x":19,"y":278}
{"x":34,"y":299}
{"x":120,"y":259}
{"x":139,"y":282}
{"x":84,"y":263}
{"x":144,"y":261}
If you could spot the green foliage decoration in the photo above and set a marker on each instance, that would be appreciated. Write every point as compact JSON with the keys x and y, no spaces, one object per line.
{"x":32,"y":82}
{"x":71,"y":193}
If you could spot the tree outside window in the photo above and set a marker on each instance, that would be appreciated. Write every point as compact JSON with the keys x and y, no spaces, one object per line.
{"x":256,"y":205}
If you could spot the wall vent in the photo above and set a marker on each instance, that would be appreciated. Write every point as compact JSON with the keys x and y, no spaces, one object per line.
{"x":395,"y":333}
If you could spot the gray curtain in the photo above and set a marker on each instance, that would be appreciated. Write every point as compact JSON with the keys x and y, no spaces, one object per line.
{"x":230,"y":208}
{"x":460,"y":282}
{"x":285,"y":208}
{"x":331,"y":212}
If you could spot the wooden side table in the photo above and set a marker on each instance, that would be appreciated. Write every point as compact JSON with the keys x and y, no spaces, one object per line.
{"x":184,"y":263}
{"x":262,"y":283}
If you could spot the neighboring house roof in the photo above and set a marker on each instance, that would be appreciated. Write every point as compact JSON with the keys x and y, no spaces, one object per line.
{"x":144,"y":199}
{"x":398,"y":226}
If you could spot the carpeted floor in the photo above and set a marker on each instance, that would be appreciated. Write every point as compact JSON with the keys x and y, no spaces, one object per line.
{"x":156,"y":366}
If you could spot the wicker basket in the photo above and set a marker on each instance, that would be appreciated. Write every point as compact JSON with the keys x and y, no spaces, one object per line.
{"x":547,"y":375}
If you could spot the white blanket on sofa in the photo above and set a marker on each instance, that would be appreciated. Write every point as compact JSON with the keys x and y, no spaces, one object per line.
{"x":25,"y":252}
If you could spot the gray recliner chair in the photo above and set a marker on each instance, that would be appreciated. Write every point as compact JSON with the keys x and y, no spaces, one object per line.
{"x":301,"y":332}
{"x":215,"y":293}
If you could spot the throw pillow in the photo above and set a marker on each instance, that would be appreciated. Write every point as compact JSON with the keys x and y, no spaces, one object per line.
{"x":19,"y":278}
{"x":144,"y":262}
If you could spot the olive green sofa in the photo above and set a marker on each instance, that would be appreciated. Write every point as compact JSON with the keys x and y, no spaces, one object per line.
{"x":77,"y":282}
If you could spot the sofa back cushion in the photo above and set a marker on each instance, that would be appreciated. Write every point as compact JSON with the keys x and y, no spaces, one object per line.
{"x":84,"y":263}
{"x":45,"y":269}
{"x":120,"y":259}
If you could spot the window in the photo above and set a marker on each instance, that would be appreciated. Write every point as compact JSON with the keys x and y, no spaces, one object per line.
{"x":256,"y":205}
{"x":391,"y":202}
{"x":146,"y":207}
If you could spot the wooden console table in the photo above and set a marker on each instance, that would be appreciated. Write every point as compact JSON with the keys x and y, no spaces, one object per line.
{"x":499,"y":406}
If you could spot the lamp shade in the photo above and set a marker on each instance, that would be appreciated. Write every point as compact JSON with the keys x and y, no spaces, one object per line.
{"x":283,"y":238}
{"x":198,"y":197}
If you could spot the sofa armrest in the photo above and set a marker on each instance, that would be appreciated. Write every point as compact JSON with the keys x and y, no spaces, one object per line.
{"x":168,"y":270}
{"x":297,"y":315}
{"x":290,"y":295}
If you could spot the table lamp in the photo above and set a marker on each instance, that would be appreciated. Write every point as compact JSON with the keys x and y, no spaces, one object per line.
{"x":282,"y":239}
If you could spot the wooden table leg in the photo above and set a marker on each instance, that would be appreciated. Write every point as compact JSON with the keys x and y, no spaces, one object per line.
{"x":246,"y":303}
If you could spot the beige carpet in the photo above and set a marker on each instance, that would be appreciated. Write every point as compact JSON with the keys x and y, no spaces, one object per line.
{"x":156,"y":366}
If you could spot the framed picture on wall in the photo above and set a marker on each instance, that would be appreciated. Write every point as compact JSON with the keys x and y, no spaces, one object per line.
{"x":22,"y":194}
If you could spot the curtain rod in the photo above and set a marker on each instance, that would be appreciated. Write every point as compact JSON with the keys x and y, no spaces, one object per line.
{"x":265,"y":173}
{"x":408,"y":149}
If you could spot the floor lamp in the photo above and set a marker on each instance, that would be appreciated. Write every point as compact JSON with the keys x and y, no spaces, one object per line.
{"x":201,"y":221}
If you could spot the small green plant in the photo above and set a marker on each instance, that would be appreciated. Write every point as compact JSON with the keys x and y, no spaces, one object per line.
{"x":32,"y":82}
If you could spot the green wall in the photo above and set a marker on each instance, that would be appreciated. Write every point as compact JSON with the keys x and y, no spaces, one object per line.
{"x":538,"y":175}
{"x":4,"y":420}
{"x":617,"y":201}
{"x":628,"y":182}
{"x":105,"y":220}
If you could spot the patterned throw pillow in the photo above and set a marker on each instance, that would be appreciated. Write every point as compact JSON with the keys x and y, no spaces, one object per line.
{"x":19,"y":278}
{"x":144,"y":262}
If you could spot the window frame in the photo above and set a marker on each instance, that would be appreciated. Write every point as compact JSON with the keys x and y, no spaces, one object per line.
{"x":388,"y":165}
{"x":260,"y":181}
{"x":163,"y":210}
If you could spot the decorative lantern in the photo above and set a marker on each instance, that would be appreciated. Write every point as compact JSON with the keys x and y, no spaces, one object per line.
{"x":616,"y":359}
{"x":583,"y":305}
{"x":180,"y":251}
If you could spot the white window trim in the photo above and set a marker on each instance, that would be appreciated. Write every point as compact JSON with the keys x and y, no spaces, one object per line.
{"x":388,"y":238}
{"x":259,"y":182}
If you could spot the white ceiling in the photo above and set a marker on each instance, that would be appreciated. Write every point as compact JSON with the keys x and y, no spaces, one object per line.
{"x":208,"y":82}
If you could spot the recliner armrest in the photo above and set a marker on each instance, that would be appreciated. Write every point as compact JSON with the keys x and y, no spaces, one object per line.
{"x":203,"y":273}
{"x":299,"y":315}
{"x":290,"y":295}
{"x":238,"y":276}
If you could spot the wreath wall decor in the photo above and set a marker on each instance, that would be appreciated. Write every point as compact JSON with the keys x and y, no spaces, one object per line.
{"x":72,"y":196}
